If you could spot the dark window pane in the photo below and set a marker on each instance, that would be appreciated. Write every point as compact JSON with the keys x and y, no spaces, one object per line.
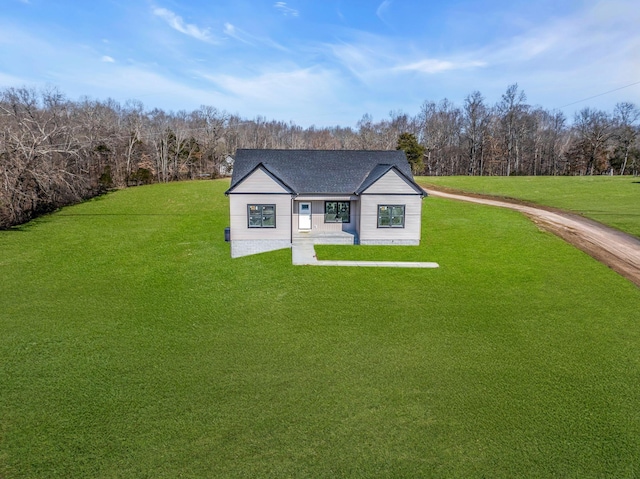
{"x":268,"y":221}
{"x":390,"y":216}
{"x":397,"y":220}
{"x":262,"y":216}
{"x":384,"y":216}
{"x":336,"y":212}
{"x":343,"y":211}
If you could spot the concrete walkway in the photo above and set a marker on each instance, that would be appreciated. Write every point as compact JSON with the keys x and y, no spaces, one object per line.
{"x":303,"y":253}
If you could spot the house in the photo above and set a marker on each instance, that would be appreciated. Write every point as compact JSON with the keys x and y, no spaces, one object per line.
{"x":278,"y":197}
{"x":225,"y":168}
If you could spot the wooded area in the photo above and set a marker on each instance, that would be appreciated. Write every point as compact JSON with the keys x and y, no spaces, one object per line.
{"x":55,"y":152}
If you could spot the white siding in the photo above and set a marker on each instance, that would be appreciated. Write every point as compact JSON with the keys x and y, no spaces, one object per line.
{"x":392,"y":183}
{"x":317,"y":217}
{"x":259,"y":182}
{"x":239,"y":221}
{"x":369,"y":230}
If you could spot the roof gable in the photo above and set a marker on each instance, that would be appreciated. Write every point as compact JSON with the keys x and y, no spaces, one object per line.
{"x":387,"y":179}
{"x":260,"y":180}
{"x":319,"y":171}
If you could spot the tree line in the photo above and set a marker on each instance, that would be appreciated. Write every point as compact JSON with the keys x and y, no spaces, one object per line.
{"x":55,"y":151}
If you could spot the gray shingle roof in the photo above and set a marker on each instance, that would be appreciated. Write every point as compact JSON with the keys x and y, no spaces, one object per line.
{"x":321,"y":171}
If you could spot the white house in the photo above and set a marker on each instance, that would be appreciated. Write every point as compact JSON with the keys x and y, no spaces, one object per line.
{"x":277,"y":197}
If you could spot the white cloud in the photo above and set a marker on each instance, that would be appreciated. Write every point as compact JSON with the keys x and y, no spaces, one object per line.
{"x":562,"y":59}
{"x":236,"y":33}
{"x":380,"y":62}
{"x":359,"y":57}
{"x":432,"y":65}
{"x":249,"y":39}
{"x":556,"y":60}
{"x":382,"y":8}
{"x":177,"y":23}
{"x":595,"y":35}
{"x":140,"y":82}
{"x":285,"y":10}
{"x":279,"y":88}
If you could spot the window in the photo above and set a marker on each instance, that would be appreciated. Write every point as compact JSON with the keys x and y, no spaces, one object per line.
{"x":390,"y":216}
{"x":336,"y":212}
{"x":262,"y":216}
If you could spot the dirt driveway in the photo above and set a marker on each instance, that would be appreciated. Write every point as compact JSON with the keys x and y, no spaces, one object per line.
{"x":619,"y":251}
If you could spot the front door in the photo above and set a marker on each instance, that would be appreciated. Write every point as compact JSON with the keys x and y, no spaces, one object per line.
{"x":304,"y":216}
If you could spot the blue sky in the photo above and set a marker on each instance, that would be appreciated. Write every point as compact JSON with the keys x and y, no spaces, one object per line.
{"x":323,"y":62}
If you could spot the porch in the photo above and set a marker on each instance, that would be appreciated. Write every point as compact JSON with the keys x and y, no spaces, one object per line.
{"x":325,"y":237}
{"x":325,"y":220}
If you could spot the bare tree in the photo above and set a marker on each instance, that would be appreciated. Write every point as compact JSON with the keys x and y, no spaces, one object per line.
{"x":512,"y":109}
{"x":476,"y":116}
{"x":625,"y":116}
{"x":131,"y":128}
{"x":593,"y":130}
{"x":54,"y":151}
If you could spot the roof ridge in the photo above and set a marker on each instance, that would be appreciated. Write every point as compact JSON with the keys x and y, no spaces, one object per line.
{"x":321,"y":171}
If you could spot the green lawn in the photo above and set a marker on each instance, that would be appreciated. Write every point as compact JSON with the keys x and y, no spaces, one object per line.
{"x":132,"y":345}
{"x":612,"y":200}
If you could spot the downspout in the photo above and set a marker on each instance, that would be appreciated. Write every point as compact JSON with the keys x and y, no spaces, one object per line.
{"x":293,"y":199}
{"x":357,"y":241}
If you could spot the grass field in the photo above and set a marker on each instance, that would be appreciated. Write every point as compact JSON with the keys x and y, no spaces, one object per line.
{"x":132,"y":345}
{"x":612,"y":200}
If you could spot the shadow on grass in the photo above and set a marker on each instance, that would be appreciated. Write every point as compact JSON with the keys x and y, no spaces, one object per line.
{"x":25,"y":227}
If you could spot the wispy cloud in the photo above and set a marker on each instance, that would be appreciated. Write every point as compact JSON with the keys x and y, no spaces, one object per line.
{"x":236,"y":33}
{"x":382,"y":8}
{"x":598,"y":36}
{"x":246,"y":37}
{"x":433,"y":65}
{"x":279,"y":87}
{"x":177,"y":23}
{"x":374,"y":61}
{"x":358,"y":59}
{"x":339,"y":71}
{"x":285,"y":10}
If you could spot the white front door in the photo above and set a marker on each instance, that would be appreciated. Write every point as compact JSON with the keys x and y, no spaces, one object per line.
{"x":304,"y":216}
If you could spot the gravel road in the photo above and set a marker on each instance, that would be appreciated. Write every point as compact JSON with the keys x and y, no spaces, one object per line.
{"x":618,"y":250}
